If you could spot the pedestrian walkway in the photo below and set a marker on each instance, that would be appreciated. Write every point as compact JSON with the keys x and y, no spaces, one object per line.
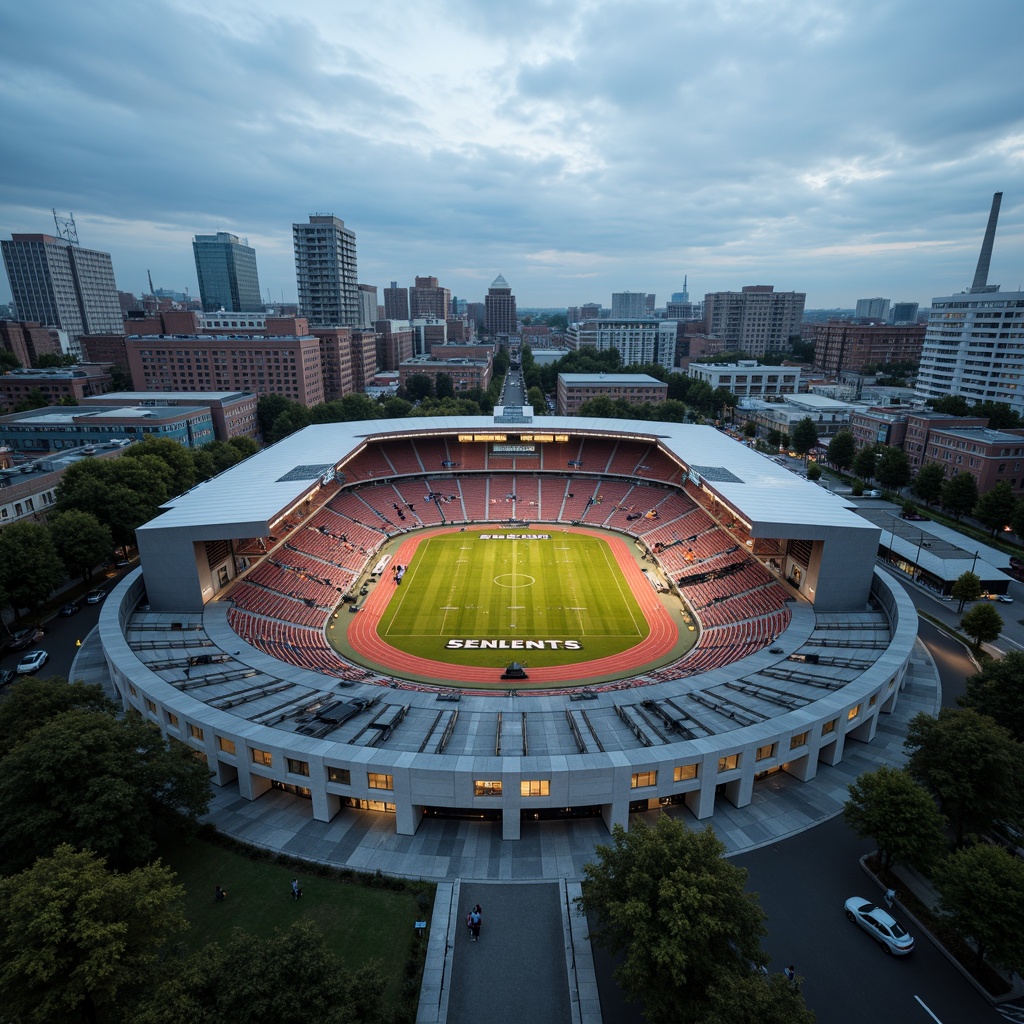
{"x":542,"y":943}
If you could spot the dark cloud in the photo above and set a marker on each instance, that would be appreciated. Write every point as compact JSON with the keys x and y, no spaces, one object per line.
{"x":575,"y":147}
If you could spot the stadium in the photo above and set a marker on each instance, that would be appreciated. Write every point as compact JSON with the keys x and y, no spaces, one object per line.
{"x":492,"y":618}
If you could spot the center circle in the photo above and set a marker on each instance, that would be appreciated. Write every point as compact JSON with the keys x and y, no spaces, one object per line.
{"x":514,"y":577}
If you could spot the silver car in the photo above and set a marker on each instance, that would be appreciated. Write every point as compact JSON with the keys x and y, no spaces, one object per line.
{"x":882,"y":927}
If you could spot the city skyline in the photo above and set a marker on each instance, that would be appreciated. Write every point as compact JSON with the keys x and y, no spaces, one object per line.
{"x":820,"y":149}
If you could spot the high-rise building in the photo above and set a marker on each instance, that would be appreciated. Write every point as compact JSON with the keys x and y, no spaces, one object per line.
{"x":755,"y":320}
{"x":684,"y":295}
{"x":974,"y":341}
{"x":639,"y":341}
{"x":226,"y":268}
{"x":500,"y":308}
{"x":844,"y":345}
{"x":57,"y":283}
{"x":396,"y":302}
{"x":428,"y":300}
{"x":325,"y":270}
{"x":629,"y":305}
{"x":903,"y":313}
{"x":872,"y":309}
{"x":367,"y":304}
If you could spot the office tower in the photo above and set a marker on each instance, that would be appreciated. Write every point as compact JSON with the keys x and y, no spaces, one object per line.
{"x":684,"y":295}
{"x":325,"y":270}
{"x":974,"y":341}
{"x":872,"y":309}
{"x":428,"y":301}
{"x":755,"y":320}
{"x":57,"y":283}
{"x":367,"y":304}
{"x":629,"y":305}
{"x":903,"y":313}
{"x":226,"y":268}
{"x":500,"y":308}
{"x":396,"y":302}
{"x":590,"y":310}
{"x":639,"y":341}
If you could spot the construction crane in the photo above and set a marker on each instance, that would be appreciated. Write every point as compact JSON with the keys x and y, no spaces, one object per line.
{"x":152,"y":290}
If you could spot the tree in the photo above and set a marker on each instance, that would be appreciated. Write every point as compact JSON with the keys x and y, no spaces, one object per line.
{"x":960,"y":494}
{"x":750,"y":429}
{"x":244,"y":445}
{"x":269,"y":407}
{"x":893,"y":469}
{"x":973,"y":766}
{"x":755,"y":998}
{"x":1017,"y":520}
{"x":30,"y":568}
{"x":535,"y":397}
{"x":35,"y":399}
{"x":289,"y":977}
{"x":774,"y":438}
{"x":82,"y":542}
{"x":951,"y":405}
{"x":665,"y":900}
{"x":966,"y":588}
{"x":444,"y":387}
{"x":865,"y":462}
{"x":418,"y":386}
{"x":890,"y":808}
{"x":983,"y":623}
{"x":805,"y":436}
{"x":981,"y":893}
{"x":74,"y":935}
{"x":97,"y":782}
{"x":927,"y":484}
{"x":34,"y":702}
{"x":813,"y":472}
{"x":47,"y":360}
{"x":841,"y":451}
{"x":995,"y":508}
{"x":998,"y":692}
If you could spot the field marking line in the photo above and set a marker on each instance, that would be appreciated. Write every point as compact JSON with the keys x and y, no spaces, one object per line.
{"x":405,"y":594}
{"x":618,"y":586}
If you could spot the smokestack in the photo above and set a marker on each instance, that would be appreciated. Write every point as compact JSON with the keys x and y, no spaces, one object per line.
{"x":981,"y":274}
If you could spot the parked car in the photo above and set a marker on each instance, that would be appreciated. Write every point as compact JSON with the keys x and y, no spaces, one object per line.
{"x":1005,"y":599}
{"x":915,"y":517}
{"x":872,"y":494}
{"x":21,"y":638}
{"x":71,"y":608}
{"x":7,"y":675}
{"x":881,"y":926}
{"x":95,"y":596}
{"x":32,"y":662}
{"x":1009,"y":836}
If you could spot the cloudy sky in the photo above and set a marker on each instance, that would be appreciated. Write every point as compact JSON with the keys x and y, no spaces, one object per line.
{"x":578,"y":147}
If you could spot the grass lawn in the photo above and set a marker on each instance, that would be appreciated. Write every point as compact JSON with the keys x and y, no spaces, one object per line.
{"x":360,"y":923}
{"x":460,"y":586}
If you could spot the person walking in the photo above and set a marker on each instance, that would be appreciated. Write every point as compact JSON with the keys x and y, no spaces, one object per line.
{"x":296,"y":891}
{"x":475,"y":921}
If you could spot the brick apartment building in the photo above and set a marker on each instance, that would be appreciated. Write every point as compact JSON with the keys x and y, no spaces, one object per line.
{"x":466,"y":374}
{"x":574,"y":389}
{"x":71,"y":382}
{"x":29,"y":340}
{"x":844,"y":345}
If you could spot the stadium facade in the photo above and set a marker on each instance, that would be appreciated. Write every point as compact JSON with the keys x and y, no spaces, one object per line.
{"x":219,"y":638}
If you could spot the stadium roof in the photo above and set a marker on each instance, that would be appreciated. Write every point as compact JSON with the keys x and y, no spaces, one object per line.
{"x":775,"y":501}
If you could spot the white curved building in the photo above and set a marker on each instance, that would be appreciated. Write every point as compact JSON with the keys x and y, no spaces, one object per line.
{"x":802,"y":645}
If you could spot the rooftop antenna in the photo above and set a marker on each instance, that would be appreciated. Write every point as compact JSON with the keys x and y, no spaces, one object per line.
{"x":66,"y":227}
{"x":981,"y":274}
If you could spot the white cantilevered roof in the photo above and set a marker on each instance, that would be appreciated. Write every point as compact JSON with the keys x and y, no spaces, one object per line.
{"x":765,"y":494}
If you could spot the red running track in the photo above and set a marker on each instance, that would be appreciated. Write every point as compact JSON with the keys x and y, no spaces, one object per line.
{"x":362,"y":634}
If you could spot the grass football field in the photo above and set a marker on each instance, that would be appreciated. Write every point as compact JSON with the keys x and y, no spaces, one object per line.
{"x":465,"y":599}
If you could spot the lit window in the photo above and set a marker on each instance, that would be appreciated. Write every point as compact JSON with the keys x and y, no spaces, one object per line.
{"x":853,"y":713}
{"x":342,"y":775}
{"x":799,"y":740}
{"x":375,"y":780}
{"x":728,"y":763}
{"x":195,"y":732}
{"x":228,"y":746}
{"x":483,"y":787}
{"x":534,"y":787}
{"x":297,"y":767}
{"x":262,"y":757}
{"x":640,"y":779}
{"x":763,"y":753}
{"x":172,"y":720}
{"x":150,"y":706}
{"x":132,"y":690}
{"x":682,"y":772}
{"x":829,"y":727}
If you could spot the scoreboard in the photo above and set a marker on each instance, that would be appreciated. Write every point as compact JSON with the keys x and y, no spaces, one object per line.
{"x":511,"y":445}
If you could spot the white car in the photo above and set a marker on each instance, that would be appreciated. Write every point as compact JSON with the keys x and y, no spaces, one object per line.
{"x":1005,"y":599}
{"x":32,"y":662}
{"x":882,"y":927}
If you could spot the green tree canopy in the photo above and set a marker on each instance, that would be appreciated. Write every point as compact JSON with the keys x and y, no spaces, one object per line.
{"x":35,"y":701}
{"x":813,"y":472}
{"x":966,"y":588}
{"x":805,"y":436}
{"x":444,"y":387}
{"x":536,"y":398}
{"x":998,"y":692}
{"x":890,"y":808}
{"x":97,"y":782}
{"x":418,"y":386}
{"x":983,"y":623}
{"x":951,"y":405}
{"x":395,"y":408}
{"x":667,"y":902}
{"x":893,"y":469}
{"x":973,"y":766}
{"x":755,"y":998}
{"x":927,"y":484}
{"x":35,"y":399}
{"x":269,"y":407}
{"x":865,"y":462}
{"x":244,"y":445}
{"x":82,"y":541}
{"x":960,"y":494}
{"x":30,"y":568}
{"x":841,"y":451}
{"x":995,"y":508}
{"x":981,"y":893}
{"x":175,"y":456}
{"x":75,"y":936}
